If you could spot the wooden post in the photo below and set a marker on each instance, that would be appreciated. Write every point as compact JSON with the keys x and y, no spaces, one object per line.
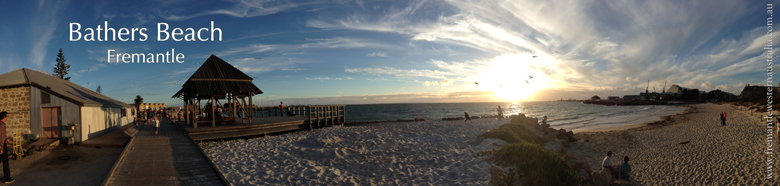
{"x":213,"y":116}
{"x":235,"y":109}
{"x":251,"y":113}
{"x":308,"y":109}
{"x":198,"y":112}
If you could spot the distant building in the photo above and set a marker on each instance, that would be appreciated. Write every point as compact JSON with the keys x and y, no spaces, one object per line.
{"x":632,"y":97}
{"x":613,"y":98}
{"x":42,"y":104}
{"x":153,"y":106}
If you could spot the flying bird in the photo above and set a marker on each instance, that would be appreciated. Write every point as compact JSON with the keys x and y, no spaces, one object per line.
{"x":257,"y":58}
{"x":500,"y":85}
{"x":297,"y":63}
{"x":169,"y":75}
{"x":88,"y":68}
{"x":535,"y":56}
{"x":526,"y":81}
{"x":476,"y":83}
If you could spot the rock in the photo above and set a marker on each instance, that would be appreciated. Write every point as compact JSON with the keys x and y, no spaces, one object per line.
{"x":545,"y":126}
{"x":585,"y":176}
{"x":497,"y":176}
{"x":475,"y":117}
{"x":419,"y":119}
{"x":601,"y":177}
{"x":548,"y":137}
{"x":577,"y":162}
{"x":624,"y":182}
{"x":555,"y":146}
{"x":561,"y":134}
{"x":564,"y":142}
{"x":460,"y":118}
{"x":571,"y":136}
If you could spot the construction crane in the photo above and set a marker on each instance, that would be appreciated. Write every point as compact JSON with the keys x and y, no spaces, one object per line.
{"x":664,"y":89}
{"x":647,"y":89}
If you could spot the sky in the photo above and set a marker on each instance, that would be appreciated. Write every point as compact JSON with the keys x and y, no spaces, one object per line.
{"x":395,"y":51}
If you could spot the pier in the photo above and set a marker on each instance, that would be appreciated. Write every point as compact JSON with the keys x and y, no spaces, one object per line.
{"x":268,"y":120}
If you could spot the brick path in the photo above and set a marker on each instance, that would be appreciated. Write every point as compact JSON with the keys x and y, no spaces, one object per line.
{"x":168,"y":159}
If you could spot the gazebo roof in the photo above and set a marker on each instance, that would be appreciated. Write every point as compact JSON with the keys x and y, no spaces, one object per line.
{"x":217,"y":78}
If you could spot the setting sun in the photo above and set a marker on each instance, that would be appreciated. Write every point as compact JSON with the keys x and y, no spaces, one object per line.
{"x":513,"y":77}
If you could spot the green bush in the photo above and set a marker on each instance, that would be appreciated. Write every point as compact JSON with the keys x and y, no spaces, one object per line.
{"x":535,"y":164}
{"x":512,"y":133}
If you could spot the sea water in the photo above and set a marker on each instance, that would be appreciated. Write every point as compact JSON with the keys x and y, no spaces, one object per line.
{"x":567,"y":115}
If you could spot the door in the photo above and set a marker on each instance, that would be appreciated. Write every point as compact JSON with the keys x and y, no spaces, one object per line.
{"x":51,"y":122}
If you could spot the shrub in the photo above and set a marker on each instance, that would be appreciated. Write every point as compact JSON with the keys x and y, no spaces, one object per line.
{"x":534,"y":163}
{"x":512,"y":133}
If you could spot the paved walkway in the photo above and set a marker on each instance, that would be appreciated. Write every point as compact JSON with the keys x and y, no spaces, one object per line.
{"x":168,"y":159}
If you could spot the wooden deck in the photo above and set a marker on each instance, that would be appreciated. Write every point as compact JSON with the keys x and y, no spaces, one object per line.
{"x":270,"y":121}
{"x":259,"y":126}
{"x":170,"y":158}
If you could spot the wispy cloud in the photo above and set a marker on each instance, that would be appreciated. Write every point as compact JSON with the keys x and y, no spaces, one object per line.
{"x":377,"y":54}
{"x":399,"y":72}
{"x":238,"y":8}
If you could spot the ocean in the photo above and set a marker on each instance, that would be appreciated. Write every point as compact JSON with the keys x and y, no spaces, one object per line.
{"x":567,"y":115}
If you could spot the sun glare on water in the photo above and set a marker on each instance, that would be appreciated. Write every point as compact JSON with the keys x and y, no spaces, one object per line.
{"x":509,"y":80}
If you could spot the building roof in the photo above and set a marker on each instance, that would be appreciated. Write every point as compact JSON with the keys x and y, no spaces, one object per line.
{"x":62,"y":88}
{"x":217,"y":78}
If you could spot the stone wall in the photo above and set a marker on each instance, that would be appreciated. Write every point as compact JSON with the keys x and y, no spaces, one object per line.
{"x":16,"y":101}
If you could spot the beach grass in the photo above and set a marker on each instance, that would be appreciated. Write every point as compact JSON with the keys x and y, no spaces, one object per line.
{"x":529,"y":163}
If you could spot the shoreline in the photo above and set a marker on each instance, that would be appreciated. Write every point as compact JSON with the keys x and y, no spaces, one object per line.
{"x":661,"y":120}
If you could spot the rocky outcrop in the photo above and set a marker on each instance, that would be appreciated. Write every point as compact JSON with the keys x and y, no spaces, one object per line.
{"x":758,"y":94}
{"x":601,"y":177}
{"x":497,"y":176}
{"x":624,"y":182}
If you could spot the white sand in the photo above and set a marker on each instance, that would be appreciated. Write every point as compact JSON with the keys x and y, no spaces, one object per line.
{"x":716,"y":155}
{"x":395,"y":153}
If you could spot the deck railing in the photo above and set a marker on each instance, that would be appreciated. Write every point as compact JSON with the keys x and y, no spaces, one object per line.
{"x":318,"y":115}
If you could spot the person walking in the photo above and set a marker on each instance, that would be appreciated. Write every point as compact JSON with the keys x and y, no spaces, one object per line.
{"x":500,"y":113}
{"x":467,"y":118}
{"x":4,"y":148}
{"x":281,"y":107}
{"x":156,"y":124}
{"x":724,"y":118}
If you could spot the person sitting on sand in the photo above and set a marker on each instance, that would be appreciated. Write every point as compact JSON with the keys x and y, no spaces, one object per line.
{"x":468,"y":118}
{"x":500,"y":113}
{"x":607,"y":164}
{"x":625,"y":168}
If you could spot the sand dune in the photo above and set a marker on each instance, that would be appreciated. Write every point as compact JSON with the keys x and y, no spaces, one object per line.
{"x":396,"y":153}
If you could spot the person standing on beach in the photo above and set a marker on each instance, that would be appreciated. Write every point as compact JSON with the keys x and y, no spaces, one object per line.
{"x":4,"y":148}
{"x":467,"y":118}
{"x":500,"y":113}
{"x":724,"y":118}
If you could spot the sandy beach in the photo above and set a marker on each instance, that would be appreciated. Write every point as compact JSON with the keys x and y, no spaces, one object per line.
{"x":393,"y":153}
{"x":714,"y":155}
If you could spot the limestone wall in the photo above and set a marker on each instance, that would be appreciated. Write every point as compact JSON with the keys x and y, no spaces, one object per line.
{"x":16,"y":101}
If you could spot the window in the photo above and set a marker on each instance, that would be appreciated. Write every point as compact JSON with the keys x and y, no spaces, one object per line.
{"x":124,"y":112}
{"x":45,"y":98}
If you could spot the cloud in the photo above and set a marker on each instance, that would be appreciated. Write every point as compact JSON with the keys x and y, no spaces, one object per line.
{"x":429,"y":83}
{"x":377,"y":54}
{"x":597,"y":54}
{"x":238,"y":8}
{"x":399,"y":72}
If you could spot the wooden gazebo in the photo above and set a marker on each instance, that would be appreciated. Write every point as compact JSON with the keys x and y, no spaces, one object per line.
{"x":216,"y":79}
